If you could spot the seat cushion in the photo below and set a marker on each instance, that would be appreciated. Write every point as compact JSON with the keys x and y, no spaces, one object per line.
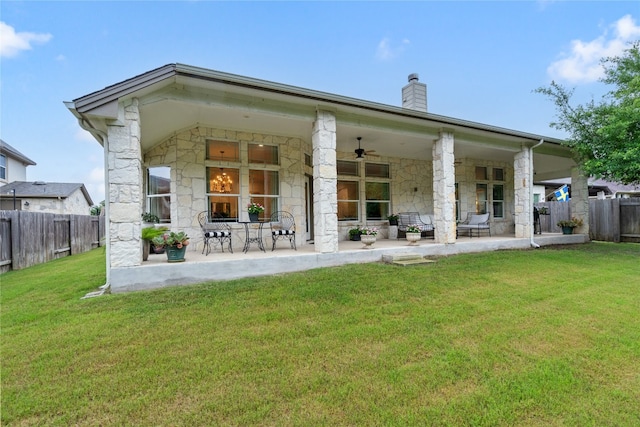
{"x":213,"y":234}
{"x":283,"y":232}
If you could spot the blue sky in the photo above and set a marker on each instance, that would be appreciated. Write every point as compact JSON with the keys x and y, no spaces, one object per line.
{"x":480,"y":60}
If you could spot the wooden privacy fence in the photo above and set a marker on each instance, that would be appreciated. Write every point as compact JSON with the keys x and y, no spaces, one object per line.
{"x":611,"y":220}
{"x":555,"y":212}
{"x":30,"y":238}
{"x":615,"y":220}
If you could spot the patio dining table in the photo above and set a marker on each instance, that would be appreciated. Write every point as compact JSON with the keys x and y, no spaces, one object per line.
{"x":250,"y":237}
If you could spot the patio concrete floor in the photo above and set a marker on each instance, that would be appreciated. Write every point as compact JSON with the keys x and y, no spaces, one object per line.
{"x":198,"y":268}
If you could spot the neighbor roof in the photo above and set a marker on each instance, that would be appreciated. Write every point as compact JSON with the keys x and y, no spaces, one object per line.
{"x":9,"y":151}
{"x":41,"y":189}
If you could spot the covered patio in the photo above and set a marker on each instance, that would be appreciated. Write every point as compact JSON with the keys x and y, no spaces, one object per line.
{"x":180,"y":140}
{"x":198,"y":268}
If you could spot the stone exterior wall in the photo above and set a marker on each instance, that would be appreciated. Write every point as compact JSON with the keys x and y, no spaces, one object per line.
{"x":411,"y":190}
{"x":580,"y":199}
{"x":185,"y":153}
{"x":124,"y":172}
{"x":523,"y":205}
{"x":466,"y":179}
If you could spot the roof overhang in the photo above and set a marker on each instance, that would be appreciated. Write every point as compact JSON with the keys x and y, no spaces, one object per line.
{"x":177,"y":97}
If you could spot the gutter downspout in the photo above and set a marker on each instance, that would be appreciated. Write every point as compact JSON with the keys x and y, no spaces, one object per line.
{"x":83,"y":123}
{"x":533,"y":244}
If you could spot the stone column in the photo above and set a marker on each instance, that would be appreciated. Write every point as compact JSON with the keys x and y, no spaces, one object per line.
{"x":124,"y":184}
{"x":444,"y":193}
{"x":580,"y":199}
{"x":325,"y":180}
{"x":523,"y":205}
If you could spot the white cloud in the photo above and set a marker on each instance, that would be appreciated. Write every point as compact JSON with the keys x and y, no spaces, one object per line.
{"x":12,"y":43}
{"x":582,"y":64}
{"x":386,"y":52}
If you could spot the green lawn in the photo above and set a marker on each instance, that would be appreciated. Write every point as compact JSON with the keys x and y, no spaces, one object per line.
{"x":547,"y":337}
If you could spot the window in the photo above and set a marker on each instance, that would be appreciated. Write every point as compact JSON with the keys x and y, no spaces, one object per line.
{"x":498,"y":201}
{"x":223,"y":193}
{"x":481,"y":173}
{"x":498,"y":174}
{"x":376,"y":170}
{"x":159,"y":192}
{"x":3,"y":166}
{"x":264,"y":154}
{"x":378,"y":200}
{"x":307,"y":160}
{"x":223,"y":150}
{"x":348,"y":200}
{"x":481,"y":198}
{"x":264,"y":188}
{"x":377,"y":194}
{"x":457,"y":203}
{"x":347,"y":168}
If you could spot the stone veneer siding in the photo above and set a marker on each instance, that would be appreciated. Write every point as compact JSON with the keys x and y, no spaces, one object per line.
{"x":580,"y":199}
{"x":185,"y":153}
{"x":523,"y":207}
{"x":325,"y":197}
{"x":444,"y":189}
{"x":124,"y":171}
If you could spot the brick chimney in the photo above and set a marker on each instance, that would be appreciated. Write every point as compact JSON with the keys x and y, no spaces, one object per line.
{"x":414,"y":94}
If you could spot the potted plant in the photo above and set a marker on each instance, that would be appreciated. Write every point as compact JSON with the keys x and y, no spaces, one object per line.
{"x":568,"y":225}
{"x":254,"y":209}
{"x":354,"y":234}
{"x":148,"y":234}
{"x":393,"y":219}
{"x":368,"y":236}
{"x":150,"y":218}
{"x":413,"y":234}
{"x":175,"y":245}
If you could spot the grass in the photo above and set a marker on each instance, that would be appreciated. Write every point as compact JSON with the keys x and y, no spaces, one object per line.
{"x":549,"y":337}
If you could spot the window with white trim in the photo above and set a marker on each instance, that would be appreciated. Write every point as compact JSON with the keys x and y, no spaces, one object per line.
{"x":481,"y":198}
{"x":264,"y":188}
{"x":498,"y":201}
{"x":227,"y":165}
{"x":348,"y":200}
{"x":374,"y":178}
{"x":3,"y":167}
{"x":223,"y":193}
{"x":159,"y":192}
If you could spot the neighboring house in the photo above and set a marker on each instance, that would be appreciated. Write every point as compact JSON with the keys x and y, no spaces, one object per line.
{"x":13,"y":164}
{"x":221,"y":141}
{"x":50,"y":197}
{"x":596,"y":187}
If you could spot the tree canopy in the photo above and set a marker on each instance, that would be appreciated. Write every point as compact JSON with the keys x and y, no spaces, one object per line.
{"x":605,"y":136}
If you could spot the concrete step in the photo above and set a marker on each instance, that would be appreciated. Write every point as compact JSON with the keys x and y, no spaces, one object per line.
{"x":406,"y":259}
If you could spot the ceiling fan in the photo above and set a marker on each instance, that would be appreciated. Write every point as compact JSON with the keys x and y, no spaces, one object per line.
{"x":360,"y":152}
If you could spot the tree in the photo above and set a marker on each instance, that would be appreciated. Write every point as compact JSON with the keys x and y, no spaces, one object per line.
{"x":605,"y":136}
{"x":97,"y":209}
